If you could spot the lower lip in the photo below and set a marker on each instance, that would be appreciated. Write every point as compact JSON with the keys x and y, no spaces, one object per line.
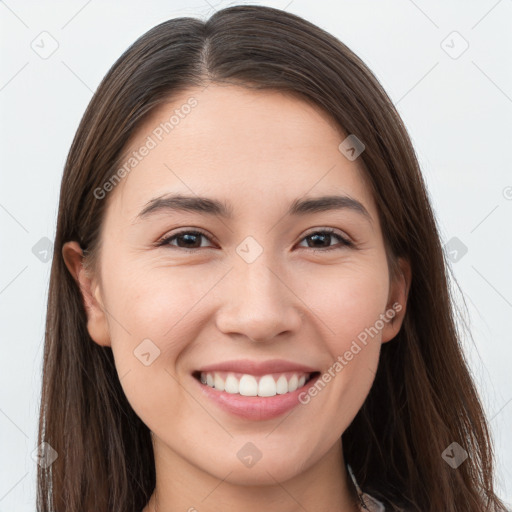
{"x":256,"y":408}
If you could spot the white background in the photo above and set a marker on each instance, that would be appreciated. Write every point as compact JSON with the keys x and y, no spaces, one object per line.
{"x":458,"y":112}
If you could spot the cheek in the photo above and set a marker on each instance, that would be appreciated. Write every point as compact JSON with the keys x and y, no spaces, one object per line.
{"x":150,"y":330}
{"x":347,"y":301}
{"x":349,"y":308}
{"x":154,"y":315}
{"x":156,"y":303}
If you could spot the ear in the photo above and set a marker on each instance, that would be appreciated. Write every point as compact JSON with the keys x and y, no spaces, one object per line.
{"x":97,"y":325}
{"x":397,"y":301}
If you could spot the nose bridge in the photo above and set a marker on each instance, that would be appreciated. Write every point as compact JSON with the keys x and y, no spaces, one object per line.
{"x":256,"y":281}
{"x":258,"y":284}
{"x":257,"y":303}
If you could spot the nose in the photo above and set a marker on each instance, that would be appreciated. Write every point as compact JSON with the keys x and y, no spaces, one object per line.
{"x":258,"y":303}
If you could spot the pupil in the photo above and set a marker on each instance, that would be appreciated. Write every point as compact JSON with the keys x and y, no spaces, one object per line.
{"x":189,"y":237}
{"x":315,"y":237}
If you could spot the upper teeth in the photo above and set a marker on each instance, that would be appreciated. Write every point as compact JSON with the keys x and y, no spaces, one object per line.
{"x":248,"y":385}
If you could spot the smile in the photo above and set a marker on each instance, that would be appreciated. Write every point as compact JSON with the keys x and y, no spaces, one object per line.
{"x":257,"y":396}
{"x":245,"y":384}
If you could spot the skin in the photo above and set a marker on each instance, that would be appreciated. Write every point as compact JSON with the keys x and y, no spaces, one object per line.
{"x":257,"y":151}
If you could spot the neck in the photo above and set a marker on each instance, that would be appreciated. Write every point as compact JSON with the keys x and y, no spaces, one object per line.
{"x":325,"y":486}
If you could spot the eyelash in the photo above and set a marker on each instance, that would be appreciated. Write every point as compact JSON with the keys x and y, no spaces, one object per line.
{"x":329,"y":231}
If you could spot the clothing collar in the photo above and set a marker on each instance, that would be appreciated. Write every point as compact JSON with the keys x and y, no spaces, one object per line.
{"x":366,"y":502}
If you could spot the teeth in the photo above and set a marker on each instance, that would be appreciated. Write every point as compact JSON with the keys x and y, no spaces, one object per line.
{"x":232,"y":384}
{"x":248,"y":385}
{"x":282,"y":385}
{"x":218,"y":382}
{"x":293,"y":383}
{"x":267,"y":386}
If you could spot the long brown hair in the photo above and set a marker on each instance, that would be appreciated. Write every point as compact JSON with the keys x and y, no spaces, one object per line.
{"x":423,"y":398}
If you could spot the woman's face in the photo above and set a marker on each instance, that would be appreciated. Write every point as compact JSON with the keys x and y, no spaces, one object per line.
{"x":247,"y":274}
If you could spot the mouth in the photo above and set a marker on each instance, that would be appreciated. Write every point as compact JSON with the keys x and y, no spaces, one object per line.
{"x":248,"y":385}
{"x":255,"y":390}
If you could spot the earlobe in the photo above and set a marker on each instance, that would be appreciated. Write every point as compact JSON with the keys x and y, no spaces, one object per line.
{"x":397,"y":301}
{"x":97,"y":325}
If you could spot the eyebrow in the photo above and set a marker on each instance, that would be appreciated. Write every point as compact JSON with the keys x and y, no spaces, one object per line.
{"x":208,"y":206}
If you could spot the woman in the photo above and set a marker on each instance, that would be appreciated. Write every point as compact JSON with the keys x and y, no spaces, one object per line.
{"x":204,"y":350}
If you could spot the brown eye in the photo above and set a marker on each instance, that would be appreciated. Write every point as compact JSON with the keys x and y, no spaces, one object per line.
{"x":187,"y":240}
{"x":321,"y":240}
{"x":317,"y":241}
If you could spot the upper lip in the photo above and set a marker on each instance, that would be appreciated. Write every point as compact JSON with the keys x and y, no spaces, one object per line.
{"x":257,"y":367}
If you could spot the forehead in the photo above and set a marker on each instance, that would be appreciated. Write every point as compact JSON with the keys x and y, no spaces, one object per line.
{"x":247,"y":147}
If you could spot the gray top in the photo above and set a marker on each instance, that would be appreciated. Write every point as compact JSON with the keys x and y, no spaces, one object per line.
{"x":367,"y":502}
{"x":371,"y":504}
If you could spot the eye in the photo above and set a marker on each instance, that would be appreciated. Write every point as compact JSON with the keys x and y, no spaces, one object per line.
{"x":187,"y":240}
{"x":191,"y":240}
{"x":324,"y":236}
